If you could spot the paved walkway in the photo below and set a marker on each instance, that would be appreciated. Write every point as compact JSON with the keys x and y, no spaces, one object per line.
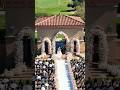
{"x":64,"y":79}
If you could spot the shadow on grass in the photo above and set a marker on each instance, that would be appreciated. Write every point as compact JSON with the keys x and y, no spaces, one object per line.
{"x":69,"y":10}
{"x":64,"y":12}
{"x":42,"y":14}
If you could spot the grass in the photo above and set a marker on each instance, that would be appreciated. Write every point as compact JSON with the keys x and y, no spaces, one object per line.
{"x":51,"y":7}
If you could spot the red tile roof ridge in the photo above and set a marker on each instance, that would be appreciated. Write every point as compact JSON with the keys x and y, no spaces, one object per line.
{"x":75,"y":20}
{"x":74,"y":17}
{"x":45,"y":20}
{"x":41,"y":18}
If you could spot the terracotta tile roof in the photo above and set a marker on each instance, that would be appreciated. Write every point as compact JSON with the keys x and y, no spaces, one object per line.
{"x":41,"y":19}
{"x":59,"y":20}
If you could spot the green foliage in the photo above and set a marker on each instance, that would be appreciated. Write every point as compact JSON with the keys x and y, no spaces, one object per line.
{"x":60,"y":36}
{"x":2,"y":22}
{"x":118,"y":20}
{"x":79,"y":6}
{"x":36,"y":35}
{"x":80,"y":11}
{"x":77,"y":3}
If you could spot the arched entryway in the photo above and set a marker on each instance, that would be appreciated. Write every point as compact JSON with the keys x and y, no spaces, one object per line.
{"x":27,"y":51}
{"x":46,"y":46}
{"x":60,"y":41}
{"x":95,"y":50}
{"x":62,"y":45}
{"x":25,"y":38}
{"x":75,"y":46}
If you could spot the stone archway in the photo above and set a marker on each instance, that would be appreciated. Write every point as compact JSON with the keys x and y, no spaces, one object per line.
{"x":102,"y":47}
{"x":75,"y":48}
{"x":26,"y":31}
{"x":95,"y":49}
{"x":20,"y":65}
{"x":54,"y":40}
{"x":46,"y":40}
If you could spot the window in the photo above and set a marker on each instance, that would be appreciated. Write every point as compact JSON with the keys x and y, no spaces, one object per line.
{"x":75,"y":46}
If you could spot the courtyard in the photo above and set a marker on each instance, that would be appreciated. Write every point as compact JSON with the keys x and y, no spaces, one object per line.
{"x":60,"y":52}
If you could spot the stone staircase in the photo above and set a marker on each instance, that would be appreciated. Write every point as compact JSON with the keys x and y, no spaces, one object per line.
{"x":26,"y":75}
{"x":95,"y":72}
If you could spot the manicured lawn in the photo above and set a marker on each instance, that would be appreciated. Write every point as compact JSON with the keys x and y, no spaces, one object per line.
{"x":51,"y":7}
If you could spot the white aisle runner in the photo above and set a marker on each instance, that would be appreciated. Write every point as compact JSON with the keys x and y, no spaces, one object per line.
{"x":63,"y":78}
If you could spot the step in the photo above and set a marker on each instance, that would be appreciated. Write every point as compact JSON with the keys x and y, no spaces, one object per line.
{"x":28,"y":73}
{"x":30,"y":69}
{"x":19,"y":78}
{"x":96,"y":74}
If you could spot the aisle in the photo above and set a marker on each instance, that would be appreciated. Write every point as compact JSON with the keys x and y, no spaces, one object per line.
{"x":63,"y":77}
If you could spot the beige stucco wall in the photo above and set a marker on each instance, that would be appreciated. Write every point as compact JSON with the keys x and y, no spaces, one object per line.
{"x":50,"y":33}
{"x":82,"y":47}
{"x":71,"y":33}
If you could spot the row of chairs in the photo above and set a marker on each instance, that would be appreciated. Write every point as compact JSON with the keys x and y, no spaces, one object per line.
{"x":102,"y":84}
{"x":78,"y":68}
{"x":8,"y":84}
{"x":45,"y":72}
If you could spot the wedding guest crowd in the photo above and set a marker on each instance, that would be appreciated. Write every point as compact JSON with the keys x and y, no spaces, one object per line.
{"x":45,"y":72}
{"x":78,"y":68}
{"x":8,"y":84}
{"x":102,"y":84}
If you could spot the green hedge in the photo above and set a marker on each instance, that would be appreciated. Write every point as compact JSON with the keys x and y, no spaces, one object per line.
{"x":2,"y":22}
{"x":118,"y":20}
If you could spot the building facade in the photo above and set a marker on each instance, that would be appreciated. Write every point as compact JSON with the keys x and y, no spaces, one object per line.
{"x":102,"y":47}
{"x":19,"y":36}
{"x":71,"y":27}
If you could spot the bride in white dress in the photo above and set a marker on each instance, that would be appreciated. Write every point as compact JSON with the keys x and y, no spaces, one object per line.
{"x":59,"y":53}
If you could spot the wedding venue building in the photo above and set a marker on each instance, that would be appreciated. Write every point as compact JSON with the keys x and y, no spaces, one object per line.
{"x":60,"y":49}
{"x":60,"y":35}
{"x":102,"y":37}
{"x":66,"y":32}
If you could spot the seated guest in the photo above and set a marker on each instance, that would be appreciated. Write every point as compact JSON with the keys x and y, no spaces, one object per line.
{"x":27,"y":86}
{"x":2,"y":86}
{"x":78,"y":71}
{"x":45,"y":72}
{"x":13,"y":85}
